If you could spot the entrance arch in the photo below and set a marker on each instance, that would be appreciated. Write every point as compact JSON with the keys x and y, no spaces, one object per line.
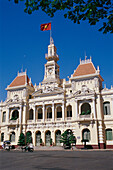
{"x":47,"y":138}
{"x":38,"y":137}
{"x":57,"y":138}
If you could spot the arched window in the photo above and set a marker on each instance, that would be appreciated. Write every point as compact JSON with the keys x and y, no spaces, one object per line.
{"x":49,"y":113}
{"x":85,"y":109}
{"x":69,"y":111}
{"x":31,"y":114}
{"x":59,"y":112}
{"x":40,"y":113}
{"x":4,"y":117}
{"x":86,"y":134}
{"x":109,"y":134}
{"x":106,"y":106}
{"x":15,"y":115}
{"x":12,"y":137}
{"x":2,"y":137}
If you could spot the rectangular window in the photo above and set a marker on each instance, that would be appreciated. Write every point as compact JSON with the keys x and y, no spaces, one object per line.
{"x":108,"y":134}
{"x":4,"y":117}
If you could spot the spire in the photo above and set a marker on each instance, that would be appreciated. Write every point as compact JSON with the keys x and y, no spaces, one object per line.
{"x":52,"y":55}
{"x":51,"y":41}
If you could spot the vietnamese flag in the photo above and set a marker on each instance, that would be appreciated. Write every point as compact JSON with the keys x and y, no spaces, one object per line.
{"x":45,"y":27}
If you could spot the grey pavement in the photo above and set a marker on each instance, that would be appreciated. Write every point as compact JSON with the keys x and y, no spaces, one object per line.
{"x":57,"y":160}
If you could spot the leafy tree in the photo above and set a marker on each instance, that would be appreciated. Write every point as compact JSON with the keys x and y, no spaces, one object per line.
{"x":67,"y":138}
{"x":21,"y":141}
{"x":28,"y":137}
{"x":76,"y":10}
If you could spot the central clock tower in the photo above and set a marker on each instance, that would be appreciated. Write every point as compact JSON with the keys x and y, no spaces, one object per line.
{"x":51,"y":67}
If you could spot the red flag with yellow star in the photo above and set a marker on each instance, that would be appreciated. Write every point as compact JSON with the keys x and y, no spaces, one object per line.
{"x":45,"y":27}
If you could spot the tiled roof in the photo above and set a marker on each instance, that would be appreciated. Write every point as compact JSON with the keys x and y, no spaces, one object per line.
{"x":84,"y":69}
{"x":20,"y":80}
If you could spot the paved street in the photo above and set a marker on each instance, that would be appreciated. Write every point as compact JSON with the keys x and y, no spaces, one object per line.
{"x":56,"y":160}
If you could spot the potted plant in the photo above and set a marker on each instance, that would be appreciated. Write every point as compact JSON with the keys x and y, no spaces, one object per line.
{"x":88,"y":112}
{"x":83,"y":113}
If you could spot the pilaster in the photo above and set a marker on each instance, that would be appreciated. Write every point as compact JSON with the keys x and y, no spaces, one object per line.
{"x":7,"y":115}
{"x":34,"y":113}
{"x":53,"y":111}
{"x":94,"y":108}
{"x":101,"y":135}
{"x":76,"y":106}
{"x":63,"y":111}
{"x":43,"y":112}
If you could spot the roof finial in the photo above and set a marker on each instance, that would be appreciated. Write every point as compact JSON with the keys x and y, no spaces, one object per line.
{"x":90,"y":58}
{"x":22,"y":69}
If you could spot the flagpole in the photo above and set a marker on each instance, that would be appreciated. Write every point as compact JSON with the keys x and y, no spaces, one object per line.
{"x":50,"y":35}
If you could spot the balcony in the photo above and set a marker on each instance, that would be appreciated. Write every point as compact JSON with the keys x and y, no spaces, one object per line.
{"x":68,"y":118}
{"x":13,"y":122}
{"x":49,"y":57}
{"x":30,"y":121}
{"x":48,"y":120}
{"x":58,"y":119}
{"x":85,"y":117}
{"x":39,"y":120}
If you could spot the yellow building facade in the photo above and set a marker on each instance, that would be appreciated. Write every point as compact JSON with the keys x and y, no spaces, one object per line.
{"x":46,"y":110}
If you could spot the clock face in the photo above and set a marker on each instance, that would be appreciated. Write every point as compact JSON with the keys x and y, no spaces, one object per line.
{"x":50,"y":70}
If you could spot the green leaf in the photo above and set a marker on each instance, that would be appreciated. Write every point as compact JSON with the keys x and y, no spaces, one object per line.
{"x":65,"y":15}
{"x":16,"y":1}
{"x":29,"y":11}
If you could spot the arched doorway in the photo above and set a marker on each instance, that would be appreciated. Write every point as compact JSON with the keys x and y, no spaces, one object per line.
{"x":57,"y":138}
{"x":12,"y":137}
{"x":47,"y":138}
{"x":38,"y":137}
{"x":29,"y":137}
{"x":86,"y":134}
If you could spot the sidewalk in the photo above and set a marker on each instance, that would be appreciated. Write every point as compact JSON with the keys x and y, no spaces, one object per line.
{"x":48,"y":148}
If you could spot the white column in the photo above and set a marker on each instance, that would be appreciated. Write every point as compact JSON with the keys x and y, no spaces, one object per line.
{"x":94,"y":108}
{"x":8,"y":115}
{"x":34,"y":114}
{"x":111,"y":109}
{"x":76,"y":108}
{"x":53,"y":112}
{"x":33,"y":137}
{"x":63,"y":113}
{"x":20,"y":114}
{"x":0,"y":115}
{"x":43,"y":112}
{"x":101,"y":134}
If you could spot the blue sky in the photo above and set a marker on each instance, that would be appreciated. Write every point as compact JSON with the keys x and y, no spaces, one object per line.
{"x":22,"y":43}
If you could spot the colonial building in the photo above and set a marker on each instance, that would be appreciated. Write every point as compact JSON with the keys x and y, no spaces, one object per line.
{"x":46,"y":110}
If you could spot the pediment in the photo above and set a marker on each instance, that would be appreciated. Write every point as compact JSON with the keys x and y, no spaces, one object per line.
{"x":84,"y":91}
{"x":48,"y":90}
